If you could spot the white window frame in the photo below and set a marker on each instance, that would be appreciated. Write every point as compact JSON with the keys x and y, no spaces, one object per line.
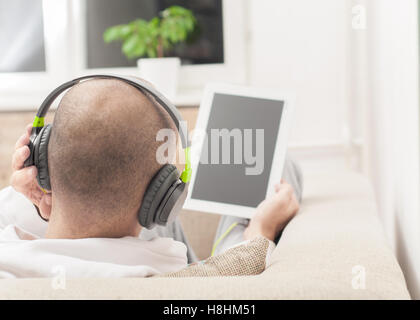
{"x":64,"y":41}
{"x":25,"y":90}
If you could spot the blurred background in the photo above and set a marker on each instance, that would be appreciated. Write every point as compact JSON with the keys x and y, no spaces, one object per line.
{"x":352,"y":65}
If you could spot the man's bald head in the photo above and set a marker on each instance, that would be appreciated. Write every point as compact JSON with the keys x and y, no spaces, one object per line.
{"x":102,"y":151}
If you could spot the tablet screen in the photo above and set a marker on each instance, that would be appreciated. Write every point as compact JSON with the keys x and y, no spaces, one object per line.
{"x":236,"y":159}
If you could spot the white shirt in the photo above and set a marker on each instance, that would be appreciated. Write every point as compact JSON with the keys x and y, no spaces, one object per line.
{"x":24,"y":253}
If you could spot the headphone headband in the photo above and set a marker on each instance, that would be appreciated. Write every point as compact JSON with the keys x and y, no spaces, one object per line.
{"x":138,"y":83}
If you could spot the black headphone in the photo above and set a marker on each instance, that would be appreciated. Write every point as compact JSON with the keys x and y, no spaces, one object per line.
{"x":167,"y":191}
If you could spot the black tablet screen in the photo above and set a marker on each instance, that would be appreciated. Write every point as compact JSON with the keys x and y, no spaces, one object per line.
{"x":236,"y":159}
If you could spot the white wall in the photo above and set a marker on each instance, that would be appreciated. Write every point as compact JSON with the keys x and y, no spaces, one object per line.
{"x":302,"y":46}
{"x":356,"y":98}
{"x":393,"y":127}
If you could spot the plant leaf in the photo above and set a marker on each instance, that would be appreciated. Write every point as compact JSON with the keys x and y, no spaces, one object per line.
{"x":129,"y":46}
{"x":141,"y":37}
{"x":112,"y":34}
{"x":140,"y":49}
{"x":151,"y":52}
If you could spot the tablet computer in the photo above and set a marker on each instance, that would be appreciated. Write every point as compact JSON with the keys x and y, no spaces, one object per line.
{"x":238,"y":148}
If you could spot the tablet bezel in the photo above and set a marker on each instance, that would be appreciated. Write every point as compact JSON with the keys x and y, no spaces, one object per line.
{"x":279,"y":150}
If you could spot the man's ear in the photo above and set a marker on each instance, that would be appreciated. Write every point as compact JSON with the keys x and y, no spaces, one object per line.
{"x":45,"y":206}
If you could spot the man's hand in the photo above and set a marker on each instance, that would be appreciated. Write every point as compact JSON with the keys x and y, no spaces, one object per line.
{"x":273,"y":213}
{"x":24,"y":180}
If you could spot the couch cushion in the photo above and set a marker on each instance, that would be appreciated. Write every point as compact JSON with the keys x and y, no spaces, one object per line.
{"x":333,"y":243}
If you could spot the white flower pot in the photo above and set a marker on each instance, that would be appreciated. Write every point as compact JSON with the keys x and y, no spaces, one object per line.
{"x":162,"y":73}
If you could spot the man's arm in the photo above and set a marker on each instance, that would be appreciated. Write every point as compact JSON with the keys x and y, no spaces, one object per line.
{"x":250,"y":256}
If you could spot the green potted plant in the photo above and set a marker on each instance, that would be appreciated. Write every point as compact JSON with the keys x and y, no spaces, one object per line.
{"x":151,"y":41}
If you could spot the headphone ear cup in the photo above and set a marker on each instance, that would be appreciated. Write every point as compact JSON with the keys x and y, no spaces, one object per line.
{"x":156,"y":191}
{"x":41,"y":157}
{"x":172,"y":204}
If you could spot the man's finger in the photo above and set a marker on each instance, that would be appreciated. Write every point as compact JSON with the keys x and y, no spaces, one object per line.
{"x":29,"y":129}
{"x":293,"y":205}
{"x":22,"y":178}
{"x":19,"y":157}
{"x":22,"y":141}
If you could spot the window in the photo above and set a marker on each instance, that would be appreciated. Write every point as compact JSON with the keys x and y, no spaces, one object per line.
{"x":21,"y":36}
{"x":206,"y":48}
{"x":46,"y":42}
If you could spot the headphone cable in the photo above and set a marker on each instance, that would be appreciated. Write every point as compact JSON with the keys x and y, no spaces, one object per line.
{"x":229,"y":230}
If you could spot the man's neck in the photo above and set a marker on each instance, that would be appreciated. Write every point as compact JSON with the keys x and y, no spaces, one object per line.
{"x":64,"y":233}
{"x":61,"y":228}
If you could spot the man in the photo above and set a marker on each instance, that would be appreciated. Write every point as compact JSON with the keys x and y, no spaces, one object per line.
{"x":102,"y":156}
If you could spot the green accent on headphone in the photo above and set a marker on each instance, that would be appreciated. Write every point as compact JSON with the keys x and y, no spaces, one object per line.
{"x":186,"y":174}
{"x":38,"y":122}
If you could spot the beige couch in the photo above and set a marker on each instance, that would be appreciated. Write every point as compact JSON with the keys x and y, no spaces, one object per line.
{"x":336,"y":233}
